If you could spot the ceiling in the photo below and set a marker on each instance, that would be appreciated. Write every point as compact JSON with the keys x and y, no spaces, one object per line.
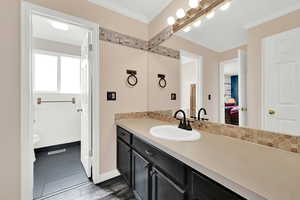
{"x":43,"y":29}
{"x":142,"y":10}
{"x":228,"y":29}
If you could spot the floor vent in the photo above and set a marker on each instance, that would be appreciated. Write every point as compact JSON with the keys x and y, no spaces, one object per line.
{"x":57,"y":152}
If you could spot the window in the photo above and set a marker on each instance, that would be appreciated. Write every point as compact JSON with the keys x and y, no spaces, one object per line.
{"x":54,"y":73}
{"x":45,"y":73}
{"x":70,"y":75}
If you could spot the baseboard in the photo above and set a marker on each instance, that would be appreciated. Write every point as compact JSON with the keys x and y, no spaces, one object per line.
{"x":106,"y":176}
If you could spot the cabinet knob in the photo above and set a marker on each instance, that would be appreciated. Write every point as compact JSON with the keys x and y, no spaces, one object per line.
{"x":147,"y":165}
{"x":148,"y":153}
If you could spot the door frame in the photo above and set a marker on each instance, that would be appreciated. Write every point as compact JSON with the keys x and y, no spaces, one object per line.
{"x":221,"y":88}
{"x":27,"y":9}
{"x":200,"y":81}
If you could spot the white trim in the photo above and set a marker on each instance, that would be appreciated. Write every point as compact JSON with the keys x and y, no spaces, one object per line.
{"x":106,"y":176}
{"x":26,"y":92}
{"x":273,"y":16}
{"x":263,"y":72}
{"x":200,"y":90}
{"x":221,"y":88}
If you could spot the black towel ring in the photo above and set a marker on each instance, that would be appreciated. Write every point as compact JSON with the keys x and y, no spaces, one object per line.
{"x":162,"y":80}
{"x":132,"y":79}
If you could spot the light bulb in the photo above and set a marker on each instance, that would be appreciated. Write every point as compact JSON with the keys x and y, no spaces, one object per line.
{"x":187,"y":29}
{"x":193,"y":3}
{"x":180,"y":13}
{"x":210,"y":15}
{"x":225,"y":6}
{"x":171,"y":20}
{"x":198,"y":23}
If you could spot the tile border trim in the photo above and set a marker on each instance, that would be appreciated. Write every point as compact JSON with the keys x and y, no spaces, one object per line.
{"x":132,"y":42}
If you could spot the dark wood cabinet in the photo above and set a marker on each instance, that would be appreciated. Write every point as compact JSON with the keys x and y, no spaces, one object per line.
{"x":163,"y":188}
{"x":155,"y":175}
{"x":203,"y":188}
{"x":124,"y":160}
{"x":140,"y":176}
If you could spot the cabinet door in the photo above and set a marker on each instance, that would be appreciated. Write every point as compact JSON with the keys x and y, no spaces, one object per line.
{"x":163,"y":188}
{"x":203,"y":188}
{"x":124,"y":160}
{"x":140,"y":176}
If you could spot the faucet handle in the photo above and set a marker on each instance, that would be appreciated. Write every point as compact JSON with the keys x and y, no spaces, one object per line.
{"x":180,"y":124}
{"x":188,"y":126}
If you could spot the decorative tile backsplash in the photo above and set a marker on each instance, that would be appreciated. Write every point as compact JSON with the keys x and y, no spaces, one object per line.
{"x":270,"y":139}
{"x":125,"y":40}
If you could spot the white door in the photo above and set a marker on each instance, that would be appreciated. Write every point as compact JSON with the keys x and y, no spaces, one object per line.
{"x":242,"y":59}
{"x":86,"y":107}
{"x":281,"y":81}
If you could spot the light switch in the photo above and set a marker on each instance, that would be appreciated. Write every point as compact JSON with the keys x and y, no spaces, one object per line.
{"x":173,"y":96}
{"x":111,"y":96}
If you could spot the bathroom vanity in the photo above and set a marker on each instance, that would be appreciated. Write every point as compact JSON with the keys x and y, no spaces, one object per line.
{"x":156,"y":175}
{"x":212,"y":167}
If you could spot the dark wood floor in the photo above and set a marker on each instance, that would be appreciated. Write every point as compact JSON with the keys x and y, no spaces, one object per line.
{"x":115,"y":189}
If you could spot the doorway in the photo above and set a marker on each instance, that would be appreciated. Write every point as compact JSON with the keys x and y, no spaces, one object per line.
{"x":60,"y":77}
{"x":191,"y":88}
{"x":233,"y":91}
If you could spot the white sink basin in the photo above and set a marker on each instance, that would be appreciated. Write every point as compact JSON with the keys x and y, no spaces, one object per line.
{"x":174,"y":133}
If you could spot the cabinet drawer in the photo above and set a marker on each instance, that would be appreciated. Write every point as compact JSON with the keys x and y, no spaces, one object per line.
{"x":167,"y":164}
{"x":124,"y":135}
{"x":203,"y":188}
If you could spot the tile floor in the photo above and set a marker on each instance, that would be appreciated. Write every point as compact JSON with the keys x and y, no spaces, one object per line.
{"x":115,"y":189}
{"x":53,"y":173}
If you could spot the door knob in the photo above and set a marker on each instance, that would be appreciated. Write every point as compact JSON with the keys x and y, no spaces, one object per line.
{"x":80,"y":110}
{"x":244,"y":109}
{"x":271,"y":112}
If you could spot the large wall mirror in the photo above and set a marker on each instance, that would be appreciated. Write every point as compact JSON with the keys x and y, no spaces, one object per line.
{"x":245,"y":70}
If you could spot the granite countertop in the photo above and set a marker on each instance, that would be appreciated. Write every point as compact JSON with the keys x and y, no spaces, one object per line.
{"x":253,"y":171}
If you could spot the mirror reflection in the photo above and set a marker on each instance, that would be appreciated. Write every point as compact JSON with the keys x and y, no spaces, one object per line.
{"x":242,"y":68}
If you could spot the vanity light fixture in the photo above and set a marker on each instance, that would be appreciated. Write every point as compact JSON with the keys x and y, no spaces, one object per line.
{"x":171,"y":20}
{"x":210,"y":15}
{"x":187,"y":29}
{"x":180,"y":13}
{"x":59,"y":25}
{"x":225,"y":6}
{"x":193,"y":3}
{"x":197,"y":23}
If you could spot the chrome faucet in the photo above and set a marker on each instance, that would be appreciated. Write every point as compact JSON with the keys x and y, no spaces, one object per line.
{"x":199,"y":114}
{"x":184,"y":123}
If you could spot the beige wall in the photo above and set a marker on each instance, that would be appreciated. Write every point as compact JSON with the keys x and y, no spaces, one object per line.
{"x":160,"y":98}
{"x":255,"y":36}
{"x":10,"y":100}
{"x":115,"y":60}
